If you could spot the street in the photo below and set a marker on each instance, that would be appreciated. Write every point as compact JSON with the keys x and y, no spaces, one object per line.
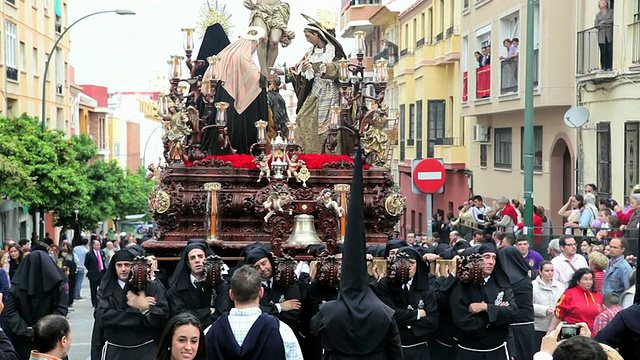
{"x":81,"y":325}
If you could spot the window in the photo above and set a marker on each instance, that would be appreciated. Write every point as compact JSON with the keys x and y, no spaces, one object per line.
{"x":10,"y":30}
{"x":631,"y":158}
{"x":419,"y":130}
{"x":412,"y":124}
{"x":483,"y":155}
{"x":23,"y":57}
{"x":430,"y":28}
{"x":11,"y":2}
{"x":435,"y":124}
{"x":502,"y":148}
{"x":537,"y":148}
{"x":59,"y":71}
{"x":603,"y":131}
{"x":402,"y":132}
{"x":35,"y":61}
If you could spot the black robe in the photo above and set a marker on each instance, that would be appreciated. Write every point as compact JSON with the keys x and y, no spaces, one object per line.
{"x":485,"y":330}
{"x":186,"y":297}
{"x":444,"y":344}
{"x":405,"y":305}
{"x":522,"y":333}
{"x":123,"y":325}
{"x":317,"y":294}
{"x":277,"y":294}
{"x":240,"y":127}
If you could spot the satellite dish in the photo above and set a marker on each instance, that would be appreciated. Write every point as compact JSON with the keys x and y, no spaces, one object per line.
{"x":576,"y":117}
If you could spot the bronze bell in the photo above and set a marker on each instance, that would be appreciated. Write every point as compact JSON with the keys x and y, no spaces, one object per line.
{"x":304,"y":231}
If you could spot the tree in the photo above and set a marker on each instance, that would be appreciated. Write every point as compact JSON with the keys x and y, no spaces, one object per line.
{"x":135,"y":195}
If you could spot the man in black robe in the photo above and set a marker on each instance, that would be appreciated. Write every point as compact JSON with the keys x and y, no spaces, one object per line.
{"x":414,"y":304}
{"x":279,"y":301}
{"x":482,"y":313}
{"x":522,"y":332}
{"x":187,"y":291}
{"x":37,"y":290}
{"x":129,"y":322}
{"x":357,"y":325}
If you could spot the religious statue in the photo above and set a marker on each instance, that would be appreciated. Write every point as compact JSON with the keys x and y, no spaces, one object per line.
{"x":273,"y":17}
{"x":178,"y":128}
{"x":155,"y":172}
{"x":263,"y":164}
{"x":276,"y":202}
{"x":294,"y":165}
{"x":326,"y":199}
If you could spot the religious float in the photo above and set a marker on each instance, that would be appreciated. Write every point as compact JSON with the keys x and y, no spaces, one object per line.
{"x":276,"y":192}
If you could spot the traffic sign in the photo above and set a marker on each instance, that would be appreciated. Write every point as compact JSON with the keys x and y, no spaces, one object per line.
{"x":428,"y":175}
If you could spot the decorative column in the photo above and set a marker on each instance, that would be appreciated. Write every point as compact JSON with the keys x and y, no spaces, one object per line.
{"x":213,"y":189}
{"x":343,"y":189}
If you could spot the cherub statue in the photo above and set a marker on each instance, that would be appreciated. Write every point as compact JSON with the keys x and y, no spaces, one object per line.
{"x":294,"y":165}
{"x":155,"y":172}
{"x":263,"y":164}
{"x":276,"y":202}
{"x":179,"y":129}
{"x":326,"y":199}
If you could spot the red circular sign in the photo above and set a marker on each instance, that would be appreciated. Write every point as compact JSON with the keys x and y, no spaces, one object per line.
{"x":429,"y":175}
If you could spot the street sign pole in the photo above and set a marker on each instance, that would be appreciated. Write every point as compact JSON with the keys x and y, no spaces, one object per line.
{"x":428,"y":215}
{"x":429,"y":176}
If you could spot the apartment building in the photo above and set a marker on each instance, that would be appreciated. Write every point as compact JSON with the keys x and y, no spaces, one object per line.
{"x":427,"y":78}
{"x":611,"y":138}
{"x":493,"y":97}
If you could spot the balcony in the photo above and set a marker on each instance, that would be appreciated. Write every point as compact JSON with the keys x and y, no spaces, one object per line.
{"x":451,"y":150}
{"x":588,"y":56}
{"x":483,"y":82}
{"x":419,"y":43}
{"x":635,"y":30}
{"x":439,"y":37}
{"x":453,"y":30}
{"x":58,"y":89}
{"x":465,"y":86}
{"x":509,"y":75}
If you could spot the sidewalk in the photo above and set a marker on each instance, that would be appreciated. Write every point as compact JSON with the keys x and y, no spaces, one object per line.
{"x":81,"y":325}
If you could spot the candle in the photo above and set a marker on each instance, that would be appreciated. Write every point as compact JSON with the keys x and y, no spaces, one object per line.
{"x":335,"y":116}
{"x":176,"y":69}
{"x":213,"y":61}
{"x":188,"y":39}
{"x":220,"y":115}
{"x":261,"y":125}
{"x":360,"y":44}
{"x":381,"y":66}
{"x":292,"y":132}
{"x":344,"y":70}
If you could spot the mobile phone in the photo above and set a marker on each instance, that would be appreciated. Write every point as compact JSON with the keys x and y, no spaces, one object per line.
{"x":569,"y":331}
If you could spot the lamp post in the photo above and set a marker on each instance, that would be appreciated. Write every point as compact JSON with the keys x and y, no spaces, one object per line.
{"x":53,"y":49}
{"x":43,"y":118}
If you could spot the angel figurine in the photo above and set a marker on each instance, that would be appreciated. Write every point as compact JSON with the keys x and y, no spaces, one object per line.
{"x":276,"y":202}
{"x":294,"y":165}
{"x":326,"y":199}
{"x":262,"y":161}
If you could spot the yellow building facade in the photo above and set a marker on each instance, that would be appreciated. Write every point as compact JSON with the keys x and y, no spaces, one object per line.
{"x":28,"y":31}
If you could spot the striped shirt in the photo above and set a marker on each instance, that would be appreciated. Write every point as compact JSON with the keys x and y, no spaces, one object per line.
{"x":241,"y":321}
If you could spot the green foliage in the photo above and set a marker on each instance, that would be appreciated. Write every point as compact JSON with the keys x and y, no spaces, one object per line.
{"x":214,"y":13}
{"x":48,"y":171}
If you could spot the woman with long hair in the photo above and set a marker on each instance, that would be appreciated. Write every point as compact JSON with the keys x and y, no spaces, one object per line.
{"x":15,"y":258}
{"x":182,"y":338}
{"x":580,"y":302}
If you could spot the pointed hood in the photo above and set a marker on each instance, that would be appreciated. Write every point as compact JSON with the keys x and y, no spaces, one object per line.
{"x":361,"y":319}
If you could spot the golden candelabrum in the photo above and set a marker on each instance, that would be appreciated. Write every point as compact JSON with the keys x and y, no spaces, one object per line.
{"x":368,"y":109}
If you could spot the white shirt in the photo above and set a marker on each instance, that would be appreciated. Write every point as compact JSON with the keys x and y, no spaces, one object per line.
{"x":542,"y":356}
{"x":563,"y":271}
{"x":241,"y":321}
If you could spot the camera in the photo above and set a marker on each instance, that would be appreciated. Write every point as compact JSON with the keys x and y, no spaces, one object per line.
{"x":569,"y":331}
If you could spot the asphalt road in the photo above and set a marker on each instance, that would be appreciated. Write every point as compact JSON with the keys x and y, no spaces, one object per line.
{"x":81,"y":325}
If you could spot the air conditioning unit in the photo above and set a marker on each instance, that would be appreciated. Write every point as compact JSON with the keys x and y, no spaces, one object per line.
{"x":481,"y":133}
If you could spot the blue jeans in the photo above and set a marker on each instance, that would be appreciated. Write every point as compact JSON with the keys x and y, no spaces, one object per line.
{"x":80,"y":277}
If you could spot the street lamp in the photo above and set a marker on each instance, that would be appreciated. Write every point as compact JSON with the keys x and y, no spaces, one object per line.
{"x":53,"y":49}
{"x":44,"y":81}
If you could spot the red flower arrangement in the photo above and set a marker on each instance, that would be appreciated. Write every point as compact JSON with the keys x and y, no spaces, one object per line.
{"x":313,"y":161}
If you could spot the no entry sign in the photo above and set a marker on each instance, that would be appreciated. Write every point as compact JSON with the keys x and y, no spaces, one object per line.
{"x":429,"y":175}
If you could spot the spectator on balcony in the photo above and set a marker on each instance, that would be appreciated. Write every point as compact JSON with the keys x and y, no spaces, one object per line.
{"x":478,"y":57}
{"x":515,"y":42}
{"x":486,"y":56}
{"x":512,"y":51}
{"x":604,"y":24}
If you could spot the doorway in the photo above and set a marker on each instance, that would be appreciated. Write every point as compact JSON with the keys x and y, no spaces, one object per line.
{"x":561,"y":176}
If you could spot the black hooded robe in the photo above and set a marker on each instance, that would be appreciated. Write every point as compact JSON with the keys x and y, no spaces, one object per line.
{"x":357,"y":325}
{"x":444,"y":345}
{"x":37,"y":291}
{"x":127,"y":332}
{"x":183,"y":296}
{"x":317,"y":294}
{"x":522,"y":331}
